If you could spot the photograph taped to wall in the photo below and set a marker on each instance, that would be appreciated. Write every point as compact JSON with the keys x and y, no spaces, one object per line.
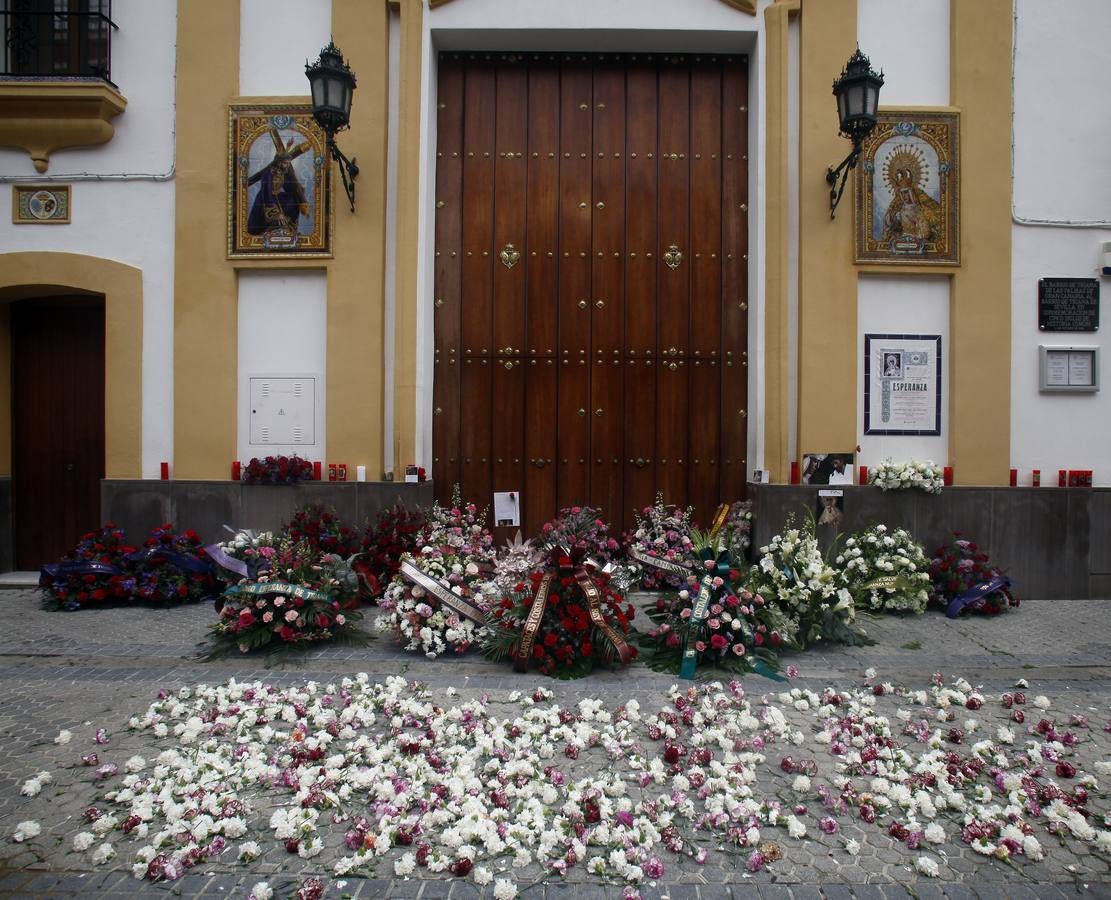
{"x":830,"y":508}
{"x":902,"y":384}
{"x":279,"y":202}
{"x":908,"y":190}
{"x":827,"y":468}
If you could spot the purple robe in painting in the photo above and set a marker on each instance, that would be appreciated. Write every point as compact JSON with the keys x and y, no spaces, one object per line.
{"x":280,"y":199}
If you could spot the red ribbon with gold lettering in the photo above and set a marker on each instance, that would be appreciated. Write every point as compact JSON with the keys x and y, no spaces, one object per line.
{"x":594,"y":598}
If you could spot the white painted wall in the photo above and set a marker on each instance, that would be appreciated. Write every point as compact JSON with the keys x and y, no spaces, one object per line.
{"x":123,"y":199}
{"x":907,"y":304}
{"x":1062,"y":176}
{"x":283,"y":318}
{"x":276,"y":39}
{"x":909,"y":41}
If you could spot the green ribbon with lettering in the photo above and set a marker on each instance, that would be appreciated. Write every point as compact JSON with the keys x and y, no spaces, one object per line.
{"x":714,"y":567}
{"x":257,"y":589}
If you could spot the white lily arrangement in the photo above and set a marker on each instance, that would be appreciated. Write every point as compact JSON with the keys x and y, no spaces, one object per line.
{"x":914,"y":475}
{"x":885,"y":570}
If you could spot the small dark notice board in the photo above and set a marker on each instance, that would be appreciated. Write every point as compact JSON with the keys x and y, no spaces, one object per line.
{"x":1068,"y":304}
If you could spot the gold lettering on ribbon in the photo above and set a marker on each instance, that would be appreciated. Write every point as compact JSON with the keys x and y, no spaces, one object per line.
{"x":594,"y":598}
{"x":445,"y":595}
{"x":532,"y":624}
{"x":720,"y":518}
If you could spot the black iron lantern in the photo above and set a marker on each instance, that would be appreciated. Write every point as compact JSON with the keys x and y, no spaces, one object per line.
{"x":332,"y":83}
{"x":858,"y":99}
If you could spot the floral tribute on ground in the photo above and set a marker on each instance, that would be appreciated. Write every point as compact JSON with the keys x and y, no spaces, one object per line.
{"x":885,"y":570}
{"x":964,"y":580}
{"x":661,"y":543}
{"x":435,"y":604}
{"x":369,"y":778}
{"x":103,"y":569}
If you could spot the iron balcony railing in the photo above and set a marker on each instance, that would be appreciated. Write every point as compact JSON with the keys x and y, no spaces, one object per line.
{"x":57,"y":39}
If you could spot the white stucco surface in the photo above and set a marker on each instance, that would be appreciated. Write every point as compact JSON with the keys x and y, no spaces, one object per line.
{"x":276,"y":39}
{"x":909,"y":41}
{"x":283,"y":317}
{"x":123,"y":200}
{"x":905,"y":304}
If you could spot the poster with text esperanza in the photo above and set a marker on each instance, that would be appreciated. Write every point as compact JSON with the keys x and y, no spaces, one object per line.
{"x":902,"y":384}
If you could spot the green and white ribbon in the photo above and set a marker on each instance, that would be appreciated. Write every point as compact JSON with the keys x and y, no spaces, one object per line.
{"x":277,"y":587}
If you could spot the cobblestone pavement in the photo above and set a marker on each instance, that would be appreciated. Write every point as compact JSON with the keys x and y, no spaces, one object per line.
{"x":87,"y":670}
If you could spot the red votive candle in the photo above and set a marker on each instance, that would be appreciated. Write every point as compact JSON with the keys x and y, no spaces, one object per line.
{"x":1062,"y":478}
{"x":236,"y":471}
{"x":1036,"y":477}
{"x":316,"y":470}
{"x":1014,"y":477}
{"x":947,"y":476}
{"x":863,"y":474}
{"x":794,"y":471}
{"x":165,"y":471}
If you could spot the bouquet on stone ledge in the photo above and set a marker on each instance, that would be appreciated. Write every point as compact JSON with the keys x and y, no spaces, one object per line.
{"x":793,"y":575}
{"x":924,"y":476}
{"x":277,"y":470}
{"x":964,"y":580}
{"x":661,"y":544}
{"x":565,"y":619}
{"x":172,"y":568}
{"x":295,"y":596}
{"x":885,"y":571}
{"x":92,"y":573}
{"x":387,"y":541}
{"x":713,"y":622}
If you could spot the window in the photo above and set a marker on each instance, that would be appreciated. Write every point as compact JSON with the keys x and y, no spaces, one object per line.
{"x":57,"y":38}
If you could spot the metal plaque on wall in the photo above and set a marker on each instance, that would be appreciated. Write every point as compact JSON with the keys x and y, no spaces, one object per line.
{"x":1068,"y":304}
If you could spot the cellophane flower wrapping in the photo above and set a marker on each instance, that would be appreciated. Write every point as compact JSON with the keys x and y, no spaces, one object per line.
{"x":885,"y":570}
{"x":914,"y":475}
{"x":273,"y":615}
{"x":662,"y":531}
{"x":567,"y":644}
{"x":961,"y":565}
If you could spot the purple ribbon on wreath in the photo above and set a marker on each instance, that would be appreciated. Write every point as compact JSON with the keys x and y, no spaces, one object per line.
{"x":182,"y":561}
{"x":77,"y":567}
{"x":976,"y":595}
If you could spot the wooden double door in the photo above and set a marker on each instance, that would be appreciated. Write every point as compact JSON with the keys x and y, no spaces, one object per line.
{"x":591,"y":314}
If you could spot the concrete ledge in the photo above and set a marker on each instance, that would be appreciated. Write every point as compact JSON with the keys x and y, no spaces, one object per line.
{"x":206,"y":506}
{"x":1050,"y":541}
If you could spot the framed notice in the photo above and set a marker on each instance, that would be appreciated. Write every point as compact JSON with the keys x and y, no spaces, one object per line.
{"x":1068,"y":304}
{"x":279,"y":202}
{"x":1068,"y":369}
{"x":908,"y":190}
{"x":902,"y":384}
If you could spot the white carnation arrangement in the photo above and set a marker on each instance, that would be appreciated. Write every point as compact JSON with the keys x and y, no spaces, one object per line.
{"x":914,"y":475}
{"x":885,"y":571}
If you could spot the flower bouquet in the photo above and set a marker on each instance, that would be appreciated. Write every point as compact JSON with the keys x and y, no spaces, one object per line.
{"x":661,"y":544}
{"x":385,"y":542}
{"x":709,"y":624}
{"x":566,"y":620}
{"x":885,"y":571}
{"x":277,"y":470}
{"x":322,"y":530}
{"x":964,"y":580}
{"x":172,"y":568}
{"x":891,"y":476}
{"x":295,"y":597}
{"x":435,"y":603}
{"x":459,"y":530}
{"x":579,"y":526}
{"x":737,"y":532}
{"x":793,"y":575}
{"x":91,"y":573}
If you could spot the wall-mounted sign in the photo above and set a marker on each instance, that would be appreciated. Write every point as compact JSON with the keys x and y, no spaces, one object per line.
{"x":1068,"y":304}
{"x":902,"y":384}
{"x":1069,"y":369}
{"x":40,"y":204}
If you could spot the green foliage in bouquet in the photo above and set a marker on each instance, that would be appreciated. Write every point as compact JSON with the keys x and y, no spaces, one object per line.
{"x":885,"y":571}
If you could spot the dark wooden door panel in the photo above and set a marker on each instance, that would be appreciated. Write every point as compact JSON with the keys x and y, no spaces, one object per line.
{"x":609,"y":360}
{"x":57,"y":425}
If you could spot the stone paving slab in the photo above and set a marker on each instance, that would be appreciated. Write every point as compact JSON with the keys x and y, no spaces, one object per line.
{"x":92,"y":669}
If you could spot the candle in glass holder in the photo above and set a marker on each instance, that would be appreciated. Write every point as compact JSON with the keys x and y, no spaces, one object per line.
{"x":236,"y":471}
{"x":794,"y":471}
{"x":863,"y":474}
{"x":316,"y":470}
{"x":165,"y":471}
{"x":947,"y":475}
{"x":1014,"y":477}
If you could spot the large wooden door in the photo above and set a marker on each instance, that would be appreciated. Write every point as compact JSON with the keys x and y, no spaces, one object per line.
{"x":57,"y":425}
{"x":591,"y":280}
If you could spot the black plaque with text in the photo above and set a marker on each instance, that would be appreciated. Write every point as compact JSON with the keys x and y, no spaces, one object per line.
{"x":1068,"y":304}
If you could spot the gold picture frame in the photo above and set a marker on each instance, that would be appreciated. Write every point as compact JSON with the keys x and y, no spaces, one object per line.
{"x":908,"y":190}
{"x":279,"y":183}
{"x":40,"y":204}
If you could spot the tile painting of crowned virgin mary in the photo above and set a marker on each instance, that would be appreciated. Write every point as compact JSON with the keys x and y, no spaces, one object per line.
{"x":907,"y":191}
{"x":280,"y":203}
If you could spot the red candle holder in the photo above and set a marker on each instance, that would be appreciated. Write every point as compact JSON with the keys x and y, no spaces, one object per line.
{"x":863,"y":474}
{"x":1014,"y":477}
{"x":947,"y":476}
{"x":316,"y":470}
{"x":1062,"y":478}
{"x":794,"y":471}
{"x":165,"y":471}
{"x":236,"y":471}
{"x":1036,"y":477}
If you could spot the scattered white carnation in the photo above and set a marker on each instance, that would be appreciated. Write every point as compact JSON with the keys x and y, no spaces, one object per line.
{"x":64,"y":737}
{"x":504,"y":889}
{"x":261,"y":891}
{"x":24,"y":831}
{"x":926,"y":866}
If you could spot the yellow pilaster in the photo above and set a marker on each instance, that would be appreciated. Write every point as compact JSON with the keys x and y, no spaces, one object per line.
{"x":980,"y":310}
{"x":205,"y":329}
{"x":777,"y":230}
{"x":408,"y":227}
{"x":827,"y":345}
{"x":355,"y":277}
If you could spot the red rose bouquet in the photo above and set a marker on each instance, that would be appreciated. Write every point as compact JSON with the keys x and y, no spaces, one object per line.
{"x":172,"y":568}
{"x":962,"y":578}
{"x":322,"y":530}
{"x":94,"y":572}
{"x":564,"y":621}
{"x":385,"y":542}
{"x":277,"y":470}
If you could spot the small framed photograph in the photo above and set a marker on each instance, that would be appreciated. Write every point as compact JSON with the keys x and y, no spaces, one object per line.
{"x":830,"y":508}
{"x":40,"y":204}
{"x":828,"y":468}
{"x":279,"y":202}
